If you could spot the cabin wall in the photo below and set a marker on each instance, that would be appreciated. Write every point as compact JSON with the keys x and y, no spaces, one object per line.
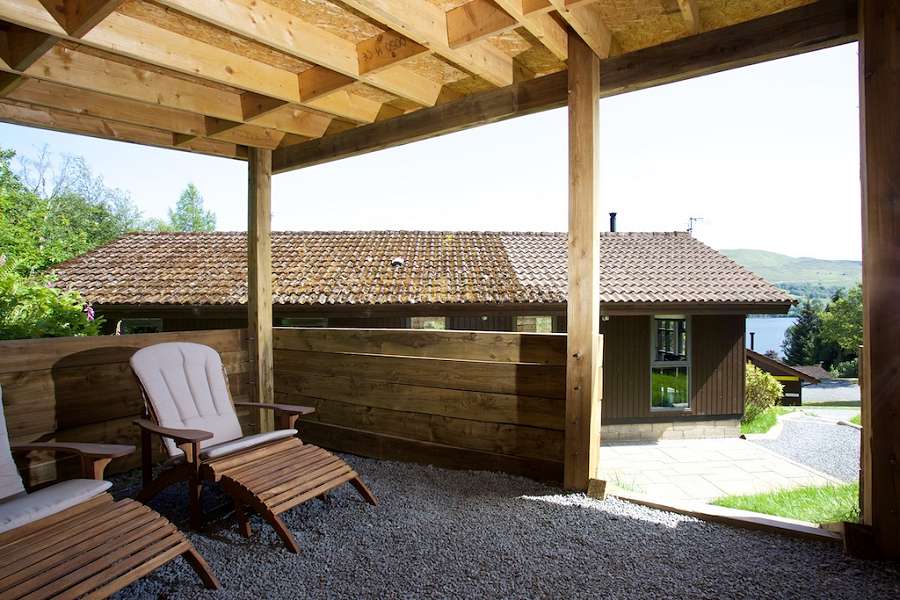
{"x":716,"y":372}
{"x":81,"y":389}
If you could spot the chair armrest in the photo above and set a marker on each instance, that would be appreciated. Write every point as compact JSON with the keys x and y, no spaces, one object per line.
{"x":180,"y":436}
{"x":286,"y":415}
{"x":94,"y":457}
{"x":293,"y":409}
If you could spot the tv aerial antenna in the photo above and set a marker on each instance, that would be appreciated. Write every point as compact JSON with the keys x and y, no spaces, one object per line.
{"x":693,"y":221}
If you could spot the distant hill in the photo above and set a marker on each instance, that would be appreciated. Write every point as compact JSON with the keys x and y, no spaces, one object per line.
{"x":804,"y":277}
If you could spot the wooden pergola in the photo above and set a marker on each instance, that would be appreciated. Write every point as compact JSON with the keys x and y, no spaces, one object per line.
{"x":286,"y":84}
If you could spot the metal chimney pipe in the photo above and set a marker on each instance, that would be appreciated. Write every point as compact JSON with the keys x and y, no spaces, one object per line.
{"x":612,"y":221}
{"x":752,"y":335}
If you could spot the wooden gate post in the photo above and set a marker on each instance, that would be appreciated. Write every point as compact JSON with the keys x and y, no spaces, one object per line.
{"x":582,"y":448}
{"x":879,"y":87}
{"x":259,"y":281}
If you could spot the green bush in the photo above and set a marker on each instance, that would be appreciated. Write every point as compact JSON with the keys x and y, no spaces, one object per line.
{"x":847,"y":368}
{"x":30,"y":308}
{"x":761,"y":393}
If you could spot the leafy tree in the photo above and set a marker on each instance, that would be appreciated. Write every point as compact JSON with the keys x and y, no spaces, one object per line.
{"x":31,"y":308}
{"x":800,"y":339}
{"x":761,"y":392}
{"x":842,"y":321}
{"x":189,"y":214}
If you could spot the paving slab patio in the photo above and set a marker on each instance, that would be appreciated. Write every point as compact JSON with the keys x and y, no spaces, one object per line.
{"x":701,"y":470}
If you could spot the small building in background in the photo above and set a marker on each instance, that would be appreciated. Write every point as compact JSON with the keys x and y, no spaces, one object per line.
{"x":791,"y":378}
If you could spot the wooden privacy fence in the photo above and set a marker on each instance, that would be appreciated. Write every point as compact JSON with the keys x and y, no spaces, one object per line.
{"x":81,"y":389}
{"x":474,"y":400}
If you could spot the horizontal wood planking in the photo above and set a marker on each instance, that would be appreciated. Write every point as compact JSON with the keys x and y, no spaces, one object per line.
{"x":386,"y":447}
{"x":460,"y":345}
{"x":462,"y":404}
{"x":81,"y":389}
{"x":421,"y":395}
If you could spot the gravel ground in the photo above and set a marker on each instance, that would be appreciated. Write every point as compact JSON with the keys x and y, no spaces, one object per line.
{"x":463,"y":534}
{"x":826,"y":447}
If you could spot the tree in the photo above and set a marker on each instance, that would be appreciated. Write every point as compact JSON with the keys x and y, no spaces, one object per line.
{"x":31,"y":308}
{"x":52,"y":211}
{"x":842,"y":322}
{"x":800,"y":339}
{"x":189,"y":214}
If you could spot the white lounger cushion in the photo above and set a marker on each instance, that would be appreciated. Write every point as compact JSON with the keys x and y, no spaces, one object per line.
{"x":187,"y":389}
{"x":10,"y":481}
{"x":226,"y":448}
{"x":24,"y":509}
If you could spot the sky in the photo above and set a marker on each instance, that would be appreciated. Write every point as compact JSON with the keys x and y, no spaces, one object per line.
{"x":767,"y":156}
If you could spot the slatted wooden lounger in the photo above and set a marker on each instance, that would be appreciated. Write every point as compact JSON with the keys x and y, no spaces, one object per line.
{"x":185,"y":390}
{"x":72,"y":540}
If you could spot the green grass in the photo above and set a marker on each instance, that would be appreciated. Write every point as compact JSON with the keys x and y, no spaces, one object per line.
{"x":856,"y":420}
{"x":765,"y":420}
{"x":828,"y":504}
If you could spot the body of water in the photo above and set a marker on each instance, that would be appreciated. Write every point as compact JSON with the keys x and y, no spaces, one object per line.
{"x":769,"y":333}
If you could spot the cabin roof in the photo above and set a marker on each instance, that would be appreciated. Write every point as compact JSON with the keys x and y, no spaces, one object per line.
{"x":410,"y":267}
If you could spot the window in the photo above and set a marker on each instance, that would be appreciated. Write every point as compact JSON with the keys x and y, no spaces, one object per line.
{"x":126,"y":326}
{"x":670,"y":364}
{"x":534,"y":324}
{"x":428,"y":323}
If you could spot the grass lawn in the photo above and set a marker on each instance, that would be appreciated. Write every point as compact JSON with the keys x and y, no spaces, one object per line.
{"x":828,"y":504}
{"x":765,"y":420}
{"x":856,"y":420}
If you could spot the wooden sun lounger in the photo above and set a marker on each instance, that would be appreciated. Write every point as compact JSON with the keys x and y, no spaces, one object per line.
{"x":91,"y":550}
{"x":268,"y":478}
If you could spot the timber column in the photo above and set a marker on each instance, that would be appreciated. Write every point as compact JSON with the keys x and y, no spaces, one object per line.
{"x":259,"y":281}
{"x":582,"y":448}
{"x":879,"y":91}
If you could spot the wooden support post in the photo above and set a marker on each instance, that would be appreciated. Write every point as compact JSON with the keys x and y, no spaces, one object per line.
{"x":259,"y":281}
{"x":582,"y":449}
{"x":879,"y":90}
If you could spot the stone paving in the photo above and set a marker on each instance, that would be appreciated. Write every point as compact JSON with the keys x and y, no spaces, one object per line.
{"x":701,"y":470}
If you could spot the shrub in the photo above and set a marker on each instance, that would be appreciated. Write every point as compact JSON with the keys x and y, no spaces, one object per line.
{"x":847,"y":368}
{"x":762,"y":392}
{"x":30,"y":308}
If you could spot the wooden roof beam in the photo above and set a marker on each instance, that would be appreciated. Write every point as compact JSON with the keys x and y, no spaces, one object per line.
{"x":822,"y":24}
{"x":587,"y":21}
{"x":78,"y":17}
{"x":9,"y":82}
{"x":254,"y":105}
{"x":292,"y":35}
{"x":426,"y":24}
{"x":475,"y":20}
{"x":142,"y":41}
{"x":24,"y":114}
{"x":541,"y":25}
{"x":20,"y":47}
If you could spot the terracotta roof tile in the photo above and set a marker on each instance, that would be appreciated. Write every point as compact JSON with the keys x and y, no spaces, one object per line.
{"x":438,"y":267}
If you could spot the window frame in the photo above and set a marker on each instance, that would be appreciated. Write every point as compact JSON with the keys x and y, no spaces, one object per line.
{"x":660,"y":364}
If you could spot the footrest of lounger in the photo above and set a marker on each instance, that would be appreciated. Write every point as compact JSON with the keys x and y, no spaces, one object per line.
{"x":90,"y":550}
{"x":281,"y":475}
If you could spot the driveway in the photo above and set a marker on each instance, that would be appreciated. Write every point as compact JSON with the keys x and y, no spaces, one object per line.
{"x":702,"y":470}
{"x":832,"y":390}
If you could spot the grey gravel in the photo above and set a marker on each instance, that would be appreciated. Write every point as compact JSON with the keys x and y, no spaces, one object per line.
{"x":826,"y":447}
{"x":464,"y":534}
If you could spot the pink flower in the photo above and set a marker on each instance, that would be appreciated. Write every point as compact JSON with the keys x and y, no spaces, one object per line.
{"x":89,"y":311}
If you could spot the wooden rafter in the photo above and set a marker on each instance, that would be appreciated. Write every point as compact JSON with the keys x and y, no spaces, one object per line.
{"x":41,"y":117}
{"x":9,"y":82}
{"x":795,"y":31}
{"x":292,"y":35}
{"x":426,"y":24}
{"x":587,"y":21}
{"x":541,"y":25}
{"x":136,"y":39}
{"x":78,"y":17}
{"x":20,"y":47}
{"x":476,"y":20}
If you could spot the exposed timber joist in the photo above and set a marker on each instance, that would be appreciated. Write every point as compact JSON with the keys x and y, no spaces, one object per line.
{"x":811,"y":27}
{"x":587,"y":21}
{"x":541,"y":25}
{"x":43,"y":118}
{"x":426,"y":24}
{"x":78,"y":17}
{"x":21,"y":47}
{"x":475,"y":20}
{"x":138,"y":40}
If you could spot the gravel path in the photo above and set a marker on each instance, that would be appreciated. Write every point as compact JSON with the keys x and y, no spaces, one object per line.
{"x":462,"y":534}
{"x":827,"y":447}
